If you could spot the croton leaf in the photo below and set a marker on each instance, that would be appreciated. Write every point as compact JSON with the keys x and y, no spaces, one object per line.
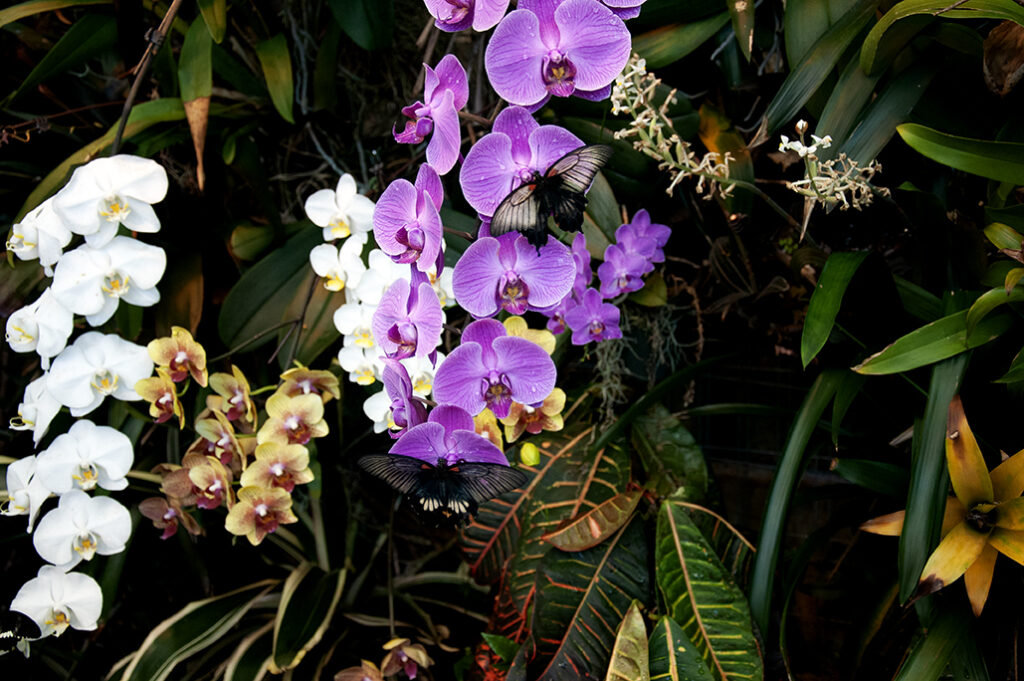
{"x":672,"y":656}
{"x":700,"y":595}
{"x":593,"y":527}
{"x":629,"y":654}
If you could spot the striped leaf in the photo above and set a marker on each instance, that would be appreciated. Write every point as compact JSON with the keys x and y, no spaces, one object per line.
{"x":308,"y":600}
{"x":673,"y":656}
{"x":504,"y":540}
{"x":629,"y":654}
{"x":700,"y":595}
{"x":591,"y":528}
{"x":732,"y":548}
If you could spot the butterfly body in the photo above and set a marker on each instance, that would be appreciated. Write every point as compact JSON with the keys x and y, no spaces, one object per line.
{"x":443,"y":493}
{"x":559,"y":192}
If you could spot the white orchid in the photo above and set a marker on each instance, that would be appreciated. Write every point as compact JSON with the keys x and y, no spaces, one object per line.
{"x":43,"y":327}
{"x":107,"y":192}
{"x":381,"y":273}
{"x":55,"y":599}
{"x":91,"y":281}
{"x":377,"y":408}
{"x":355,"y":322}
{"x":421,"y":373}
{"x":342,"y":211}
{"x":81,"y":527}
{"x":25,"y":492}
{"x":37,"y":409}
{"x":84,"y":457}
{"x":40,"y":234}
{"x":443,"y":286}
{"x":94,"y":366}
{"x":340,"y":267}
{"x":362,"y":364}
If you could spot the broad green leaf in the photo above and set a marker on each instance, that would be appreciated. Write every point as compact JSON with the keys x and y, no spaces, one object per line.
{"x":653,"y":294}
{"x":1016,"y":371}
{"x":318,"y":330}
{"x":806,"y":20}
{"x":277,"y":71}
{"x":215,"y":16}
{"x":842,"y":110}
{"x":629,"y":653}
{"x":809,"y":74}
{"x":825,"y":301}
{"x":195,"y":64}
{"x":729,"y":544}
{"x":670,"y":454}
{"x":1003,"y":236}
{"x":700,"y":595}
{"x":87,"y":37}
{"x":848,"y":390}
{"x":1002,"y":161}
{"x":308,"y":599}
{"x":581,"y":598}
{"x":503,"y":646}
{"x":787,"y":475}
{"x":926,"y":499}
{"x":932,"y":342}
{"x":27,"y":9}
{"x":673,"y":657}
{"x":325,"y":80}
{"x":917,"y":301}
{"x":742,"y":12}
{"x":1011,"y":215}
{"x":906,"y":18}
{"x":669,"y":44}
{"x":141,"y":117}
{"x":248,"y":242}
{"x":369,"y":23}
{"x":877,"y":476}
{"x":988,"y":301}
{"x":593,"y":527}
{"x":603,"y":208}
{"x":195,"y":627}
{"x":627,"y":160}
{"x":251,"y":658}
{"x":937,"y":644}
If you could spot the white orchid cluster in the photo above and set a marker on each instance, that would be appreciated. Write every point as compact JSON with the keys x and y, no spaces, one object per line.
{"x":89,"y":281}
{"x":344,"y":213}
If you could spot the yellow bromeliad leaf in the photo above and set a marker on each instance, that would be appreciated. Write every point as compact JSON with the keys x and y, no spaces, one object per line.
{"x":1010,"y":543}
{"x":967,"y":469}
{"x":954,"y":554}
{"x":891,"y":524}
{"x":978,"y":578}
{"x":1009,"y":514}
{"x":1008,"y":478}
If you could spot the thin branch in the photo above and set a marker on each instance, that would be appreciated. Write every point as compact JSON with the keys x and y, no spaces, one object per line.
{"x":252,"y":339}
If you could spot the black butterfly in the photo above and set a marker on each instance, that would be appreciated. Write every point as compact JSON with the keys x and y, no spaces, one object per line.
{"x":15,"y":628}
{"x":444,"y":494}
{"x":559,"y":192}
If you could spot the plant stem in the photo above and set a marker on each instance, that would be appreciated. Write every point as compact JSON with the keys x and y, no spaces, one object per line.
{"x":252,"y":339}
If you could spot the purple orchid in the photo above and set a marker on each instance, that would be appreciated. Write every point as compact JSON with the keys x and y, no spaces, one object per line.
{"x":446,"y":91}
{"x":508,"y":273}
{"x":556,"y":314}
{"x":581,"y":258}
{"x":406,"y":221}
{"x":407,"y":410}
{"x":644,"y":237}
{"x":448,"y":435}
{"x":622,"y":271}
{"x":491,"y":369}
{"x":458,"y":15}
{"x":516,"y":147}
{"x":556,"y":47}
{"x":624,"y":9}
{"x":593,"y":319}
{"x":408,"y":320}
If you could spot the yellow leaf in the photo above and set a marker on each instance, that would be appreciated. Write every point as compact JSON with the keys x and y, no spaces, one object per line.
{"x":953,"y":514}
{"x":890,"y":525}
{"x":951,"y":558}
{"x":967,"y":469}
{"x":1008,"y":478}
{"x":1010,"y":514}
{"x":978,"y":578}
{"x":1010,"y":543}
{"x":197,"y":111}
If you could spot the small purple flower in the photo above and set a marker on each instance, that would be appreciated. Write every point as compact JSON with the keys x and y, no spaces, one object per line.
{"x":406,"y":222}
{"x":448,"y":435}
{"x":622,"y":272}
{"x":556,"y":314}
{"x":408,"y":320}
{"x":407,"y":410}
{"x":458,"y":15}
{"x":446,"y":91}
{"x":644,"y":237}
{"x":491,"y":369}
{"x":624,"y":9}
{"x":581,"y":257}
{"x":508,"y":156}
{"x":556,"y":47}
{"x":508,"y":273}
{"x":593,"y":319}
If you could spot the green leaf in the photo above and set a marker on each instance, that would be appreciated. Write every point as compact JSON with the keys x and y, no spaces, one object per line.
{"x":195,"y":64}
{"x":988,"y":301}
{"x":1003,"y":236}
{"x":917,"y":301}
{"x":1002,"y":161}
{"x":729,"y":544}
{"x":141,"y":117}
{"x":277,"y":71}
{"x":369,"y":23}
{"x":591,"y":528}
{"x":603,"y":208}
{"x":215,"y":16}
{"x":653,"y":294}
{"x":852,"y":92}
{"x":629,"y":653}
{"x":87,"y":37}
{"x":251,"y":657}
{"x":848,"y":390}
{"x":877,"y":476}
{"x":700,"y":595}
{"x":195,"y":627}
{"x":318,"y":329}
{"x":670,"y":454}
{"x":906,"y":18}
{"x":668,"y":44}
{"x":932,"y":342}
{"x":503,"y":646}
{"x":325,"y":81}
{"x":580,"y":599}
{"x":824,"y":306}
{"x":248,"y":242}
{"x":809,"y":74}
{"x":790,"y":466}
{"x":182,"y":301}
{"x":806,"y":20}
{"x":1011,"y":215}
{"x":308,"y":599}
{"x":933,"y":650}
{"x":27,"y":9}
{"x":673,"y":657}
{"x":1016,"y":371}
{"x":742,"y":12}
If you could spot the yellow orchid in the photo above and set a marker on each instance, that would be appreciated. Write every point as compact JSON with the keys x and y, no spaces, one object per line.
{"x":548,"y":416}
{"x":181,"y":354}
{"x":516,"y":326}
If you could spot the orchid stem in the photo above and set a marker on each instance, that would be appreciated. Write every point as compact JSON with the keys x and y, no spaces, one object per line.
{"x":319,"y":536}
{"x":302,"y":318}
{"x":252,"y":339}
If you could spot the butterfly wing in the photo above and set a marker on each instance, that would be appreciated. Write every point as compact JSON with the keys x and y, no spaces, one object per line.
{"x":15,"y":627}
{"x":483,"y":481}
{"x":579,"y":167}
{"x":404,"y":473}
{"x":521,"y":212}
